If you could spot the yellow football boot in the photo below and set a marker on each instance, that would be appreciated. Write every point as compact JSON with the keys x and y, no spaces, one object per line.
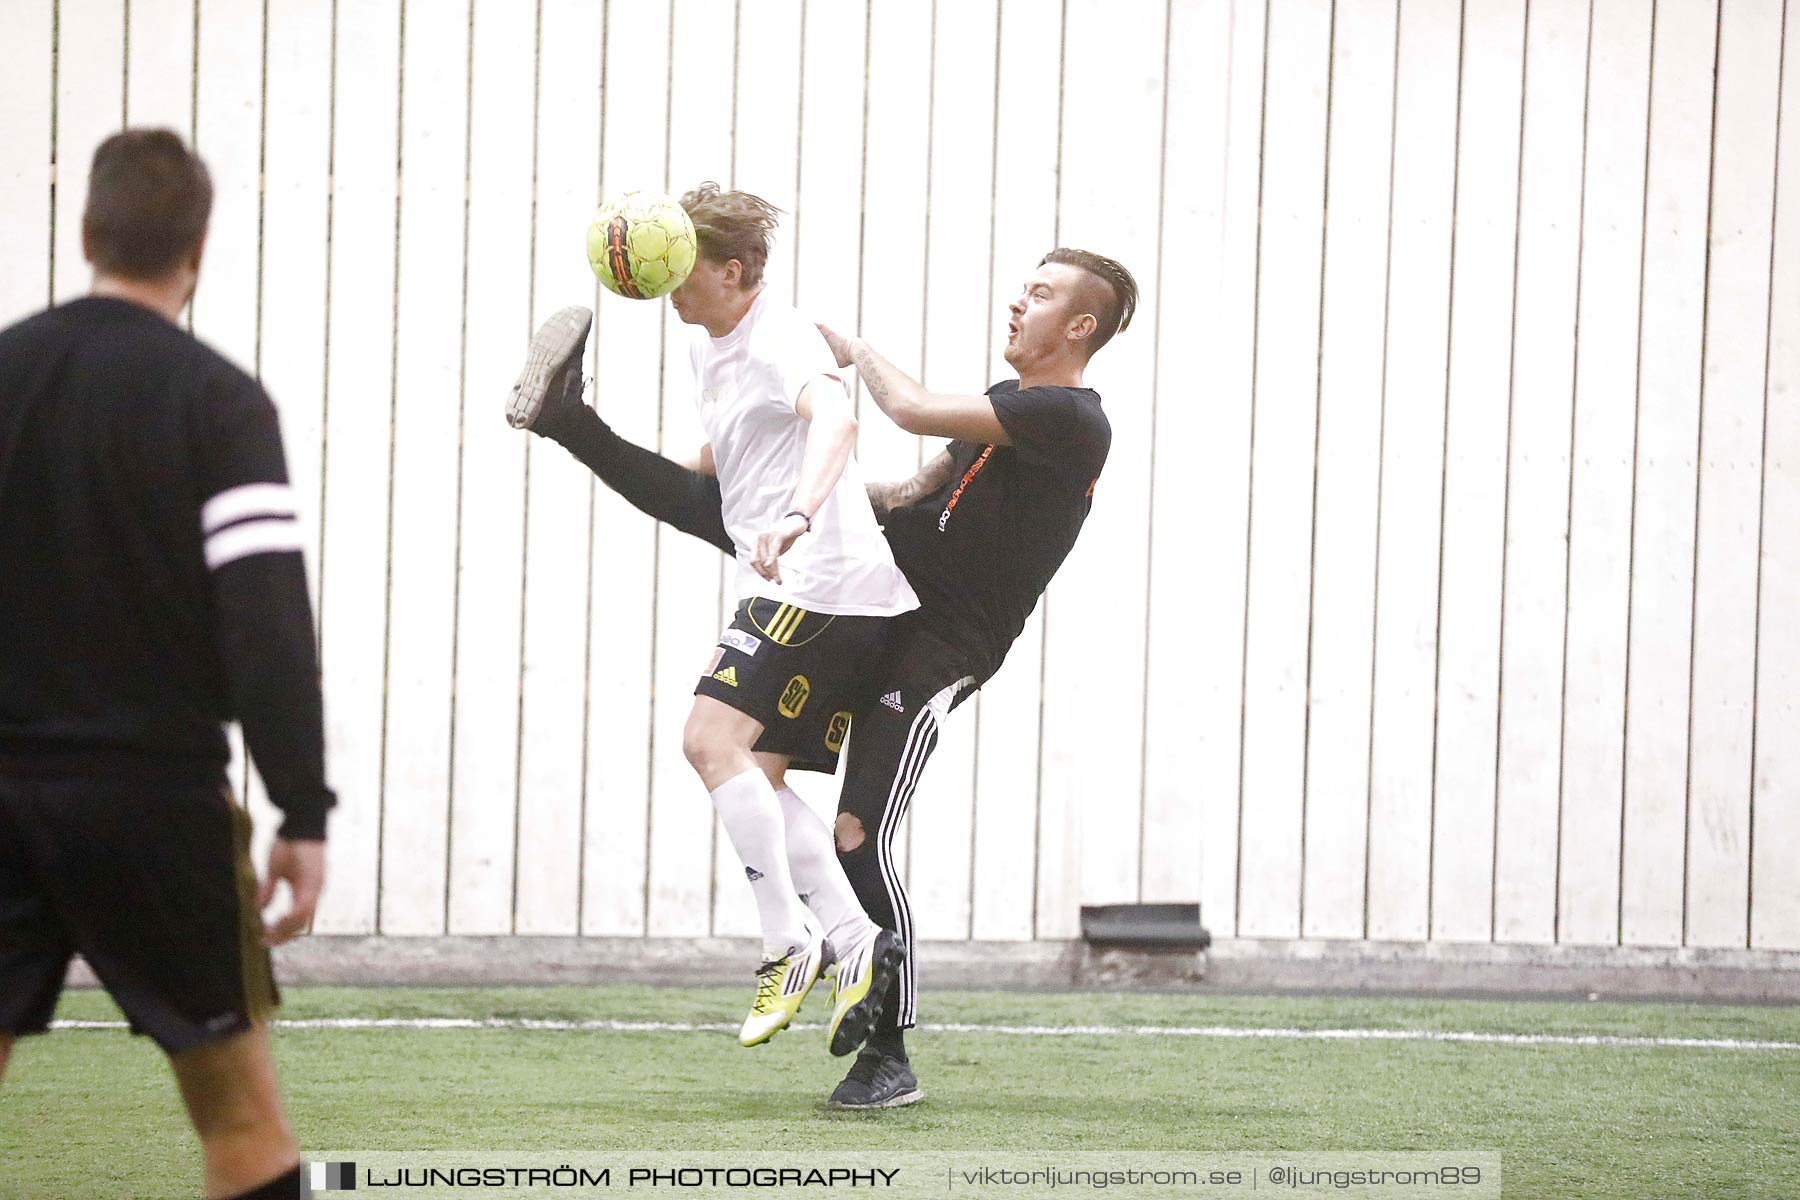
{"x":781,"y":985}
{"x":863,"y":978}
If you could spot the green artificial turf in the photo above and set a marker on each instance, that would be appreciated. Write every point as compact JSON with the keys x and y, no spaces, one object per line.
{"x":94,"y":1112}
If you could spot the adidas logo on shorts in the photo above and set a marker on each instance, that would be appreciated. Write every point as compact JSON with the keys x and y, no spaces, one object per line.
{"x":752,"y":874}
{"x":892,"y":700}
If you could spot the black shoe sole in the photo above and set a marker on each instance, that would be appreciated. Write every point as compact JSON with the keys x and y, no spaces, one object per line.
{"x":900,"y":1101}
{"x":857,"y":1024}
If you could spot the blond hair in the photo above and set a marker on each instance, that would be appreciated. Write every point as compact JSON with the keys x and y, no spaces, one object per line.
{"x":733,"y":225}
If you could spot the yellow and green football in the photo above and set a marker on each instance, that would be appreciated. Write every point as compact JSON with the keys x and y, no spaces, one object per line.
{"x":641,"y":245}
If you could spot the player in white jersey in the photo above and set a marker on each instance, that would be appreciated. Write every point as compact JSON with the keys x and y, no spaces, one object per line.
{"x":816,"y":586}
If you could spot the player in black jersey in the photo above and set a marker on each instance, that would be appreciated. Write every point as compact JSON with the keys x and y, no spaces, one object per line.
{"x":152,"y":589}
{"x":979,"y":532}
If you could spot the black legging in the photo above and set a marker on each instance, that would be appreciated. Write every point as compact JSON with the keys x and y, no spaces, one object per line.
{"x":889,"y":745}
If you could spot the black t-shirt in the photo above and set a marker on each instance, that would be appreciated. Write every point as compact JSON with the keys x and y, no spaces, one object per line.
{"x":151,"y":584}
{"x":981,"y":549}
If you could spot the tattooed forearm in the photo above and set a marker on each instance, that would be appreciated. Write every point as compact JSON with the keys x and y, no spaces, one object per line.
{"x":868,"y":365}
{"x":885,"y":497}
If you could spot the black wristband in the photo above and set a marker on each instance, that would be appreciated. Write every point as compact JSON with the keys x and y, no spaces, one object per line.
{"x":794,"y":512}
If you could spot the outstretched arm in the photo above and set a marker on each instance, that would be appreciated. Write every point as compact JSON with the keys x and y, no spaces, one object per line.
{"x":907,"y":403}
{"x":667,"y":491}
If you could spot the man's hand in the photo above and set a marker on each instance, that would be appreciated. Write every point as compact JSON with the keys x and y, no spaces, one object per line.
{"x":302,"y":865}
{"x":840,"y":345}
{"x":773,"y":543}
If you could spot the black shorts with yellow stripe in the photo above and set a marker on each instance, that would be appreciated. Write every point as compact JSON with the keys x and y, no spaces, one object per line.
{"x":797,"y":672}
{"x":148,"y":878}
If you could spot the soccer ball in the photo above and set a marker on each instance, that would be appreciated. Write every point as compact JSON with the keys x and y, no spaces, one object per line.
{"x":642,"y":245}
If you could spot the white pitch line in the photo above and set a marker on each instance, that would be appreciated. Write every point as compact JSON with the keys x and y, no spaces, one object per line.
{"x":1104,"y":1031}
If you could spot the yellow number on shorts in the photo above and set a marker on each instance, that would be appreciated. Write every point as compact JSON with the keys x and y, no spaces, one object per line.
{"x":793,"y":696}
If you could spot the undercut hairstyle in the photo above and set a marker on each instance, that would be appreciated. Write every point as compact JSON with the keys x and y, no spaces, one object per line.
{"x":733,"y":225}
{"x":148,"y":201}
{"x":1114,"y":301}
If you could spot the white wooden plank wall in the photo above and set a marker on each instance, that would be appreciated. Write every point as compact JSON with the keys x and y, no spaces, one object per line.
{"x":1475,"y":476}
{"x":1283,"y":439}
{"x":1775,"y":821}
{"x":489,"y":589}
{"x":1409,"y":534}
{"x":1534,"y":560}
{"x":1600,"y":483}
{"x":1672,"y":314}
{"x":1347,"y":487}
{"x":1435,"y":586}
{"x":427,"y":384}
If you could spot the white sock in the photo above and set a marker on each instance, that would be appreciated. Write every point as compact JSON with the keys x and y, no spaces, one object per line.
{"x":819,"y":877}
{"x":747,"y":806}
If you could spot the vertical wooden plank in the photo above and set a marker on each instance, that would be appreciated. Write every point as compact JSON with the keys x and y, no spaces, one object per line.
{"x":895,"y":170}
{"x":557,"y":538}
{"x":1349,"y":430}
{"x":1221,"y":462}
{"x":427,"y":389}
{"x":1775,"y":825}
{"x":160,"y":66}
{"x":1731,"y":466}
{"x":639,"y":833}
{"x":1593,"y":731}
{"x":1192,"y":254}
{"x":297,"y":180}
{"x":490,"y":555}
{"x":767,"y":143}
{"x":768,"y":133}
{"x":692,"y":577}
{"x":90,"y":96}
{"x":828,"y":205}
{"x":1295,"y":103}
{"x":1662,"y":575}
{"x":941,"y":824}
{"x":358,"y":429}
{"x":1406,"y":629}
{"x":1006,"y":834}
{"x":957,"y":323}
{"x":1481,"y":323}
{"x":1094,"y":654}
{"x":25,"y":127}
{"x":228,"y":88}
{"x":1537,"y":518}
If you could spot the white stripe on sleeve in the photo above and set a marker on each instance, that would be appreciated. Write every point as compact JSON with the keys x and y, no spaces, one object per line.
{"x":252,"y":537}
{"x":247,"y":500}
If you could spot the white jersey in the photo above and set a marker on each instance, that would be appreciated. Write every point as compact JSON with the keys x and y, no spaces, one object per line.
{"x":747,"y":384}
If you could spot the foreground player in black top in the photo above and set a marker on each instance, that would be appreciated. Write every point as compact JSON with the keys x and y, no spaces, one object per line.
{"x":152,"y":589}
{"x":979,"y":532}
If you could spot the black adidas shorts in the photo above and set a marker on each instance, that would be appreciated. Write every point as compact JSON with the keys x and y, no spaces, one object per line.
{"x":151,"y":883}
{"x":797,"y":672}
